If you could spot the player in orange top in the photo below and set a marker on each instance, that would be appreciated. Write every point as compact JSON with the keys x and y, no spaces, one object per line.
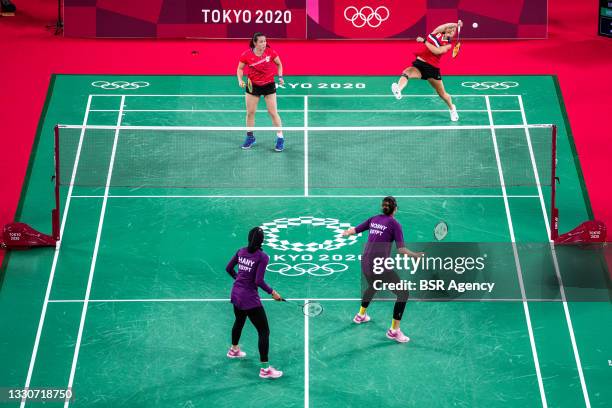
{"x":263,"y":62}
{"x":427,"y":64}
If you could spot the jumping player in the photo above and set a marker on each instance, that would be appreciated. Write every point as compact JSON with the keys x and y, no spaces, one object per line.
{"x":262,"y":61}
{"x":383,"y":230}
{"x":427,"y":64}
{"x":252,"y":263}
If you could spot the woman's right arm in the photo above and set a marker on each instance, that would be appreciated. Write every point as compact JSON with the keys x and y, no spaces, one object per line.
{"x":358,"y":229}
{"x":240,"y":73}
{"x":259,"y":278}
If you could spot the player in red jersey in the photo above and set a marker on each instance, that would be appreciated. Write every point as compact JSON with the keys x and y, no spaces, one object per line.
{"x":427,"y":64}
{"x":262,"y":62}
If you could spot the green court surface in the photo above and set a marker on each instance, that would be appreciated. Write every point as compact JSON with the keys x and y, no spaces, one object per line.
{"x":132,"y":309}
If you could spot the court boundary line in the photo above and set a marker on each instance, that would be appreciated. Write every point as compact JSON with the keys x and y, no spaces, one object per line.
{"x":43,"y":313}
{"x":302,"y":128}
{"x":568,"y":318}
{"x":390,"y":96}
{"x":306,"y":168}
{"x":300,"y":110}
{"x":312,"y":196}
{"x":311,"y":299}
{"x":517,"y":261}
{"x":94,"y":257}
{"x":306,"y":358}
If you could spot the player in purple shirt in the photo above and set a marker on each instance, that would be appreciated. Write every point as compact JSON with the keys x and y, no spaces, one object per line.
{"x":252,"y":263}
{"x":383,"y":230}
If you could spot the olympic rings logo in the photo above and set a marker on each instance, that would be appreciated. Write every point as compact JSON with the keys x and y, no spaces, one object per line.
{"x":306,"y":267}
{"x":481,"y":86}
{"x":120,"y":84}
{"x":366,"y":15}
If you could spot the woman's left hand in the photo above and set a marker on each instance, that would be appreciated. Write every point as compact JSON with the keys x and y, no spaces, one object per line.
{"x":281,"y":81}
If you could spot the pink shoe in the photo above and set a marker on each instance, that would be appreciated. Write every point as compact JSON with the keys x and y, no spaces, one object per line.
{"x":397,"y":335}
{"x":361,"y":319}
{"x":270,"y":372}
{"x":236,"y":353}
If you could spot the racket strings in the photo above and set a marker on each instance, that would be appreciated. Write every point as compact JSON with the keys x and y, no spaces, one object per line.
{"x":456,"y":49}
{"x":458,"y":44}
{"x":440,"y":230}
{"x":312,"y":309}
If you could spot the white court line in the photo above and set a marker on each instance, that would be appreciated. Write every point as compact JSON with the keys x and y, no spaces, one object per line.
{"x":241,"y":96}
{"x":189,"y":300}
{"x":43,"y":312}
{"x":517,"y":260}
{"x":194,"y":110}
{"x":310,"y":196}
{"x":310,"y":299}
{"x":568,"y":318}
{"x":306,"y":360}
{"x":306,"y":169}
{"x":300,"y":110}
{"x":403,"y":110}
{"x":94,"y":257}
{"x":303,"y":128}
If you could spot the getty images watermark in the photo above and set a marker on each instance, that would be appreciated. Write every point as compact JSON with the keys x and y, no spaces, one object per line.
{"x":489,"y":271}
{"x":389,"y":269}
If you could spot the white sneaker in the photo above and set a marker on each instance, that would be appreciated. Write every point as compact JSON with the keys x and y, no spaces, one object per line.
{"x":236,"y":353}
{"x":396,"y":90}
{"x":270,"y":372}
{"x":361,"y":319}
{"x":453,"y":114}
{"x":397,"y":335}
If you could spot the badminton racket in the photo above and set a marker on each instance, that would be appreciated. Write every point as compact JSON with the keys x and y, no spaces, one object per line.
{"x":310,"y":309}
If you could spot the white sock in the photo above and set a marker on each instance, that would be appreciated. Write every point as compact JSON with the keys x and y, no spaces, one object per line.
{"x":279,"y":134}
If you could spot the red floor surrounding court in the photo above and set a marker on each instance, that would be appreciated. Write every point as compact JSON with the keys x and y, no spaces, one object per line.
{"x":29,"y":54}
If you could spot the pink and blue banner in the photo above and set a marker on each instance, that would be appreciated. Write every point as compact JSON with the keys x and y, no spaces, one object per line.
{"x":303,"y":19}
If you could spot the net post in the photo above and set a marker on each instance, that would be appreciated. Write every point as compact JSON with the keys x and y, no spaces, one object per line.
{"x":554,"y":212}
{"x":55,"y":212}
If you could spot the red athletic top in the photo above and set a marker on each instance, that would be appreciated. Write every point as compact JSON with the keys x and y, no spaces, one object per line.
{"x":437,"y":40}
{"x":262,"y":68}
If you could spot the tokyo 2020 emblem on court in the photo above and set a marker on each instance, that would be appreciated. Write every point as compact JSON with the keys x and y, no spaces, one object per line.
{"x":275,"y":231}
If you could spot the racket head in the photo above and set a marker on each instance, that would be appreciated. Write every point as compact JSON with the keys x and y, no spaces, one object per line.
{"x":456,"y":49}
{"x":440,"y":230}
{"x":312,"y":309}
{"x":458,"y":44}
{"x":249,"y":85}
